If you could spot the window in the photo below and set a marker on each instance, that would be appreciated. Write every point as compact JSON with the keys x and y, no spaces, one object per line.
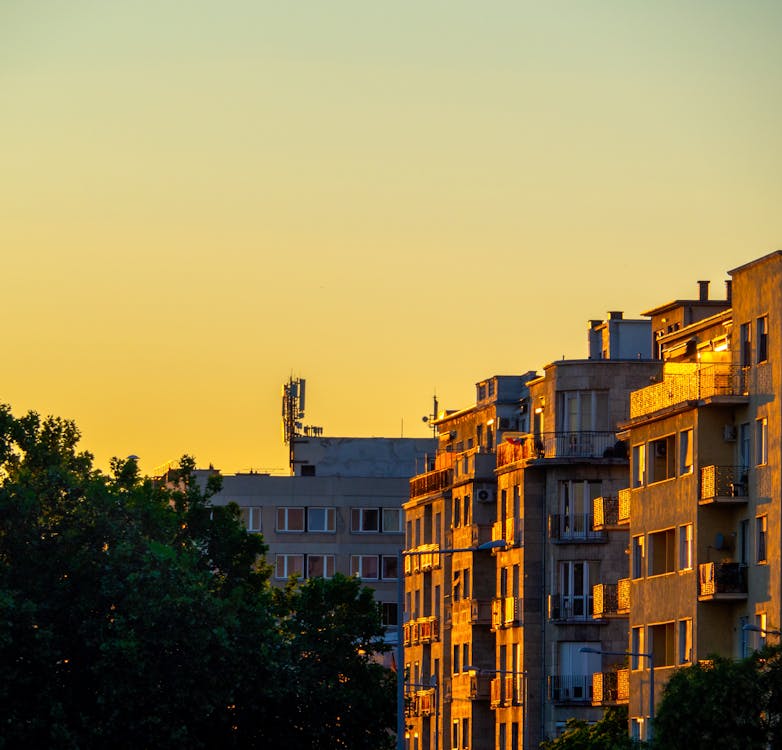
{"x":390,"y":614}
{"x":456,"y":651}
{"x":466,"y":513}
{"x":320,"y":566}
{"x":457,"y":512}
{"x":389,"y":566}
{"x":288,"y":565}
{"x":251,"y":518}
{"x":744,"y":449}
{"x":364,"y":566}
{"x":761,"y":441}
{"x":639,"y":465}
{"x":685,"y":547}
{"x":290,"y":519}
{"x":392,"y":520}
{"x":745,"y":345}
{"x":685,"y":452}
{"x":575,"y":505}
{"x":576,"y":579}
{"x":575,"y":670}
{"x":685,"y":641}
{"x":583,"y":411}
{"x":662,"y":552}
{"x":638,"y":556}
{"x":760,"y":634}
{"x":661,"y":458}
{"x":364,"y":520}
{"x":744,"y":541}
{"x":637,"y":647}
{"x":321,"y":519}
{"x":761,"y":534}
{"x":762,"y":338}
{"x":465,"y":733}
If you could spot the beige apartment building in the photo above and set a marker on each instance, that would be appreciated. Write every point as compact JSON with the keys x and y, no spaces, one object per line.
{"x":702,"y":501}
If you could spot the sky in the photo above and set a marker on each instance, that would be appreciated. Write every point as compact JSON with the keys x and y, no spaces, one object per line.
{"x":199,"y":200}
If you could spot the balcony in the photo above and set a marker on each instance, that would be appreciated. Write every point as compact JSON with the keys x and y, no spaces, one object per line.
{"x":605,"y":598}
{"x":475,"y":463}
{"x":423,"y":559}
{"x":510,"y":530}
{"x":684,"y":383}
{"x":610,"y":688}
{"x":431,"y":483}
{"x":471,"y":612}
{"x":507,"y":690}
{"x":577,"y":445}
{"x":470,"y":686}
{"x":428,"y":629}
{"x":507,"y":612}
{"x":623,"y":596}
{"x":726,"y":581}
{"x":605,"y":513}
{"x":624,"y":505}
{"x":724,"y":485}
{"x":573,"y":528}
{"x":564,"y":609}
{"x":471,"y":535}
{"x":570,"y":688}
{"x":515,"y":449}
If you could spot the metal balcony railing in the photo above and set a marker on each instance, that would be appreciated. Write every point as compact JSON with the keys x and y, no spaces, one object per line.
{"x":605,"y":512}
{"x":507,"y":611}
{"x":605,"y":598}
{"x":573,"y":527}
{"x":623,"y":596}
{"x":726,"y":580}
{"x":570,"y":688}
{"x":569,"y":608}
{"x":515,"y":449}
{"x":624,"y":505}
{"x":430,"y":483}
{"x":727,"y":484}
{"x":610,"y":687}
{"x":683,"y":382}
{"x":581,"y":444}
{"x":424,"y":559}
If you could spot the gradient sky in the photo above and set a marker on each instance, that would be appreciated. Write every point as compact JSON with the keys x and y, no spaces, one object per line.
{"x":198,"y":199}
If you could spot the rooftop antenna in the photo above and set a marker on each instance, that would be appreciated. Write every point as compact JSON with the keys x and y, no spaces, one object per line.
{"x":431,"y":418}
{"x":292,"y":415}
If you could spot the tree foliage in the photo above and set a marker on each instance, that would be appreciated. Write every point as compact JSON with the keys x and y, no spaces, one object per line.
{"x":610,"y":733}
{"x":137,"y":615}
{"x":722,"y":704}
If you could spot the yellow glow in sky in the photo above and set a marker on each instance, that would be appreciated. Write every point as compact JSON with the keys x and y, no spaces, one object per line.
{"x":199,"y":199}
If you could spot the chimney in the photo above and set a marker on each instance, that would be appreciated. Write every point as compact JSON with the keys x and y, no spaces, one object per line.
{"x":615,"y":314}
{"x":703,"y":287}
{"x":729,"y":290}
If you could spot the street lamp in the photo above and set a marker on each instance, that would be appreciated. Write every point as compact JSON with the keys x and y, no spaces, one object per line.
{"x":650,"y":657}
{"x":400,"y":606}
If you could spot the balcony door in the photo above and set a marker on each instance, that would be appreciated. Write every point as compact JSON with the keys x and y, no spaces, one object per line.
{"x":576,"y":579}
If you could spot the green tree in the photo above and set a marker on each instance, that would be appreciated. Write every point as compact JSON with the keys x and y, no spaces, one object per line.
{"x":610,"y":733}
{"x":136,"y":615}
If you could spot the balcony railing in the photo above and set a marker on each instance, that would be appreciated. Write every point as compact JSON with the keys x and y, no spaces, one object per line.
{"x":507,"y":611}
{"x":605,"y":597}
{"x":430,"y":483}
{"x":726,"y":580}
{"x":516,"y":449}
{"x":624,"y":505}
{"x":507,"y":690}
{"x":605,"y":512}
{"x":424,"y":559}
{"x":573,"y":527}
{"x":623,"y":596}
{"x":582,"y":444}
{"x":610,"y":687}
{"x":475,"y":463}
{"x":570,"y":688}
{"x":683,"y":382}
{"x":724,"y":484}
{"x":569,"y":608}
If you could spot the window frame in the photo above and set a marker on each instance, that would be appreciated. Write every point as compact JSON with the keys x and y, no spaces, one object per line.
{"x":330,"y":517}
{"x":357,"y":567}
{"x":391,"y":530}
{"x":761,"y":441}
{"x":685,"y":557}
{"x":761,"y":539}
{"x":761,"y":331}
{"x":359,"y":512}
{"x":284,"y":512}
{"x":653,"y":540}
{"x":686,"y":451}
{"x":329,"y":562}
{"x":286,"y":558}
{"x":250,"y":512}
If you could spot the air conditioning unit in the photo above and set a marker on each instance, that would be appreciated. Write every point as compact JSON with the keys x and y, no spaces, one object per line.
{"x":485,"y":496}
{"x":729,"y":433}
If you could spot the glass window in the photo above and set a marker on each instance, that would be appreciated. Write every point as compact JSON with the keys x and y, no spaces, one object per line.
{"x":662,"y":552}
{"x":745,"y":345}
{"x":389,"y":566}
{"x":321,"y":519}
{"x":365,"y":520}
{"x":761,"y":441}
{"x":639,"y":465}
{"x":762,"y":338}
{"x":685,"y":641}
{"x":364,"y":566}
{"x":661,"y":458}
{"x":390,"y":613}
{"x":661,"y":643}
{"x":637,"y":647}
{"x":290,"y":519}
{"x":761,"y":534}
{"x":288,"y":565}
{"x":251,"y":518}
{"x":638,"y":556}
{"x":685,"y":547}
{"x":392,"y":520}
{"x":760,"y":633}
{"x":320,"y":566}
{"x":685,"y":452}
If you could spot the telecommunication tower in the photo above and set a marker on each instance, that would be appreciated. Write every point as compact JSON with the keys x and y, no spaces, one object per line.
{"x":292,"y":415}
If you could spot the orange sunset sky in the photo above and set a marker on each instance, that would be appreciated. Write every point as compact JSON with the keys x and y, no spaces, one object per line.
{"x":198,"y":199}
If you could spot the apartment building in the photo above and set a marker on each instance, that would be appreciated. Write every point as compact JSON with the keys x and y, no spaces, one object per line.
{"x":448,"y":594}
{"x":702,"y":501}
{"x":340,"y":513}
